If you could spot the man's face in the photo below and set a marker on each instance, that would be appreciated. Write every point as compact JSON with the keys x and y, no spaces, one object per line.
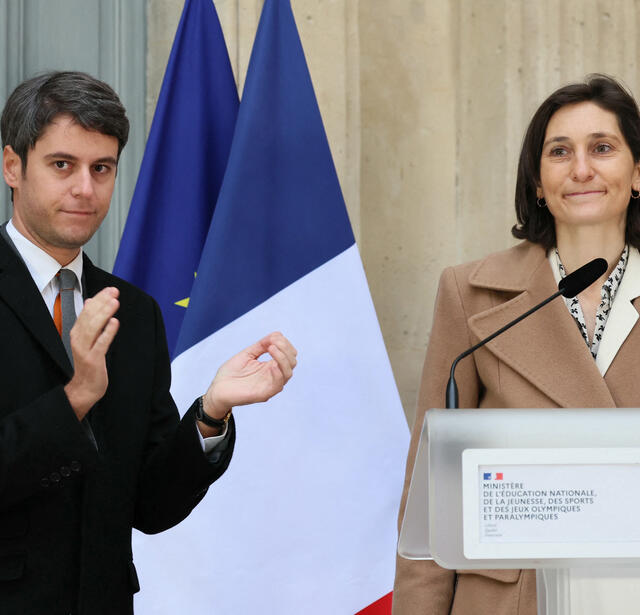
{"x":61,"y":198}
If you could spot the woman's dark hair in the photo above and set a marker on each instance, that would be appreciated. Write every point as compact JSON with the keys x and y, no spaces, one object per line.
{"x":35,"y":103}
{"x":536,"y":223}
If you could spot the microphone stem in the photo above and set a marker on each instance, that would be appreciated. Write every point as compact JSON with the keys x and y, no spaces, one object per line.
{"x":451,"y":400}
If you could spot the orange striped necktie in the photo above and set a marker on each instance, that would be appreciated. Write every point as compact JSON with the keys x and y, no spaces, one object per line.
{"x":57,"y":314}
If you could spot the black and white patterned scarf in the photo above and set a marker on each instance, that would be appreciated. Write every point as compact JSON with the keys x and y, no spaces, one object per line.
{"x":608,"y":293}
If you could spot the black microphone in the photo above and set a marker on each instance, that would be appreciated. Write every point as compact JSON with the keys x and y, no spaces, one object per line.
{"x":570,"y":286}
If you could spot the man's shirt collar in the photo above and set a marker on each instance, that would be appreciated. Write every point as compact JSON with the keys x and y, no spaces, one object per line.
{"x":41,"y":265}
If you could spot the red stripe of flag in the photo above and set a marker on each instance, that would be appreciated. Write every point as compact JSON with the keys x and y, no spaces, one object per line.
{"x":379,"y":607}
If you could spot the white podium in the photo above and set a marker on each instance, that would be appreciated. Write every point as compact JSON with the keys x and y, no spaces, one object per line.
{"x":557,"y":490}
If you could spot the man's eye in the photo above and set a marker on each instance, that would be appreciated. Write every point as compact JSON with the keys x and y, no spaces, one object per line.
{"x":101,"y":168}
{"x":61,"y":164}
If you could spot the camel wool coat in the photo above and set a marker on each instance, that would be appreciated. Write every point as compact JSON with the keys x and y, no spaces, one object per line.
{"x":542,"y":362}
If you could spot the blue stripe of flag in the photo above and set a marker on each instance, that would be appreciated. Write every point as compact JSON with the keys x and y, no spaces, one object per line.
{"x":183,"y":166}
{"x":280,"y":213}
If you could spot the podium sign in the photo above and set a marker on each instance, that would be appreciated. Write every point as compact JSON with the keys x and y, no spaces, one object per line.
{"x":551,"y":503}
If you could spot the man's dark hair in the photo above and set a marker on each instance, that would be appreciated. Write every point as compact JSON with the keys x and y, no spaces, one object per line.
{"x":35,"y":103}
{"x":536,"y":223}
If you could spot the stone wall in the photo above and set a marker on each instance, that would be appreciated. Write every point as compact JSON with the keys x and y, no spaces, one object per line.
{"x":425,"y":103}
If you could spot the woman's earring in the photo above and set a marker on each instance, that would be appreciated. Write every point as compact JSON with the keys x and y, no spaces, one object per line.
{"x":635,"y":194}
{"x":542,"y":203}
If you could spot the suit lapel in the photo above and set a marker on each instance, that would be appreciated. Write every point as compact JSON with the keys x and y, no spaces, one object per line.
{"x":19,"y":292}
{"x":94,"y":280}
{"x":546,"y":348}
{"x":92,"y":283}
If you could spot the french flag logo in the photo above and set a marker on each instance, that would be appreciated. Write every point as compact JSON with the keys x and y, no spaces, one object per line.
{"x":491,"y":476}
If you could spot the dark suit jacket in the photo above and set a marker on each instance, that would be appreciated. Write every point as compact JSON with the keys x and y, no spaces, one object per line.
{"x":66,"y":510}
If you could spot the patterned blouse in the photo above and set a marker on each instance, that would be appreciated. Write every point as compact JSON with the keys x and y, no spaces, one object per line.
{"x":608,"y":293}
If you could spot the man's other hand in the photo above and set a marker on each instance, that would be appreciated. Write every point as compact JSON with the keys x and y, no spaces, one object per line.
{"x":244,"y":379}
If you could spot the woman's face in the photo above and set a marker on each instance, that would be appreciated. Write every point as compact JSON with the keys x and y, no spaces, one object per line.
{"x":586,"y":168}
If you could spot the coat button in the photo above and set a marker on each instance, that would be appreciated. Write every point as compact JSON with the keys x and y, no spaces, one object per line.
{"x":65,"y":471}
{"x":75,"y":466}
{"x":44,"y":482}
{"x":54,"y":477}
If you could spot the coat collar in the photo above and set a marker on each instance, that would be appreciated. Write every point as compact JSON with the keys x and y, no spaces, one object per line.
{"x":546,"y":348}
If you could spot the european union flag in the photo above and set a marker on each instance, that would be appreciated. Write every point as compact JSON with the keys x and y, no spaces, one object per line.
{"x":183,"y":166}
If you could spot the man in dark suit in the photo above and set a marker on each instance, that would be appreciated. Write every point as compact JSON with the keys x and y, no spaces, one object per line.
{"x":91,"y":443}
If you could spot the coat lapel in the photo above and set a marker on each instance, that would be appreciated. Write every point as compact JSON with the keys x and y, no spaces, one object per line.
{"x":546,"y":348}
{"x":623,"y":315}
{"x":622,"y":377}
{"x":19,"y":292}
{"x":93,"y":281}
{"x":623,"y":339}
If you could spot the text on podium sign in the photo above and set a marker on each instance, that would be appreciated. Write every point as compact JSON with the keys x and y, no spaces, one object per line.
{"x":551,"y":502}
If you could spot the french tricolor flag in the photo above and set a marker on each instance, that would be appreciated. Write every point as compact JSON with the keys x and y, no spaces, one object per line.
{"x":488,"y":475}
{"x":304,"y":520}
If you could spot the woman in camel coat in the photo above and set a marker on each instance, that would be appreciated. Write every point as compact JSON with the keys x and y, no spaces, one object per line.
{"x":577,"y":198}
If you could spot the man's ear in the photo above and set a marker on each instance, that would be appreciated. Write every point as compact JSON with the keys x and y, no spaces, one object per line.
{"x":11,"y":167}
